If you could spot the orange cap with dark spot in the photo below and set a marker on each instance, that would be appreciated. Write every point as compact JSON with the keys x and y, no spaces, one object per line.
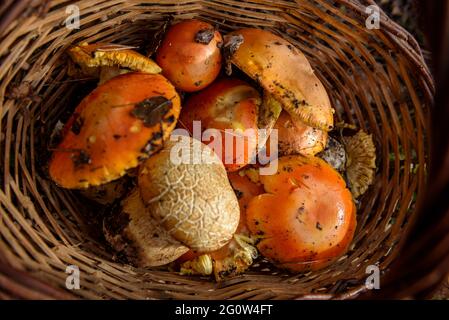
{"x":114,"y":128}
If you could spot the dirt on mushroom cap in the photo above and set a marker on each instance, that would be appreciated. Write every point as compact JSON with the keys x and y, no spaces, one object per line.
{"x":286,"y":73}
{"x":114,"y":128}
{"x":194,"y":200}
{"x":189,"y":54}
{"x":134,"y":233}
{"x":307,"y":218}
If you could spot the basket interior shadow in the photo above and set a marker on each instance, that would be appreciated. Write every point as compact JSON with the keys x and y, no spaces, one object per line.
{"x":376,"y":80}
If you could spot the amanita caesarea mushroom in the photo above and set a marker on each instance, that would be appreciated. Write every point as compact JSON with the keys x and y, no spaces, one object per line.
{"x":284,"y":72}
{"x":190,"y":55}
{"x":190,"y":196}
{"x":228,"y":111}
{"x":295,"y":137}
{"x":113,"y":129}
{"x":307,"y":217}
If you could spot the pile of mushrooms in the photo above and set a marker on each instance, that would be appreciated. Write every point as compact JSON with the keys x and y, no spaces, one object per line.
{"x":216,"y":215}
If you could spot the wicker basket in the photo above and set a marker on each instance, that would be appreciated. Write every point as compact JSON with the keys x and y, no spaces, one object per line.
{"x":376,"y":79}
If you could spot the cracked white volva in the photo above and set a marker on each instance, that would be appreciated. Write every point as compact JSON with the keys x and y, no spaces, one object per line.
{"x":195,"y":203}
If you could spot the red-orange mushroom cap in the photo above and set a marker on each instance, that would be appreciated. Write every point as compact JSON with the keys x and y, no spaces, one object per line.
{"x":295,"y":137}
{"x":307,"y":218}
{"x":284,"y":71}
{"x":114,"y":128}
{"x":231,"y":107}
{"x":189,"y":54}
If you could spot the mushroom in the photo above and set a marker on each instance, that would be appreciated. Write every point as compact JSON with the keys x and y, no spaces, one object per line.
{"x":189,"y":55}
{"x":236,"y":256}
{"x":135,"y":235}
{"x":361,"y":162}
{"x":355,"y":157}
{"x":294,"y":137}
{"x":307,"y":217}
{"x":269,"y":113}
{"x":106,"y":60}
{"x":186,"y":189}
{"x":285,"y":72}
{"x":229,"y":107}
{"x":118,"y":125}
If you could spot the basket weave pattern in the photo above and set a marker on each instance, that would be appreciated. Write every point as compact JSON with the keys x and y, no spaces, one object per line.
{"x":376,"y":79}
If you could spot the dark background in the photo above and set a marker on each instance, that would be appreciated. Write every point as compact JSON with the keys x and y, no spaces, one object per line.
{"x":406,"y":13}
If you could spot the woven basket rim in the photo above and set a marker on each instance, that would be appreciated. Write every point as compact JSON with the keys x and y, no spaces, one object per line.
{"x":416,"y":81}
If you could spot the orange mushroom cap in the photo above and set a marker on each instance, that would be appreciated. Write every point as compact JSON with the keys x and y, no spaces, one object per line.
{"x":116,"y":126}
{"x":227,"y":104}
{"x":307,"y":218}
{"x":285,"y":72}
{"x":295,"y":137}
{"x":189,"y":55}
{"x":246,"y":190}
